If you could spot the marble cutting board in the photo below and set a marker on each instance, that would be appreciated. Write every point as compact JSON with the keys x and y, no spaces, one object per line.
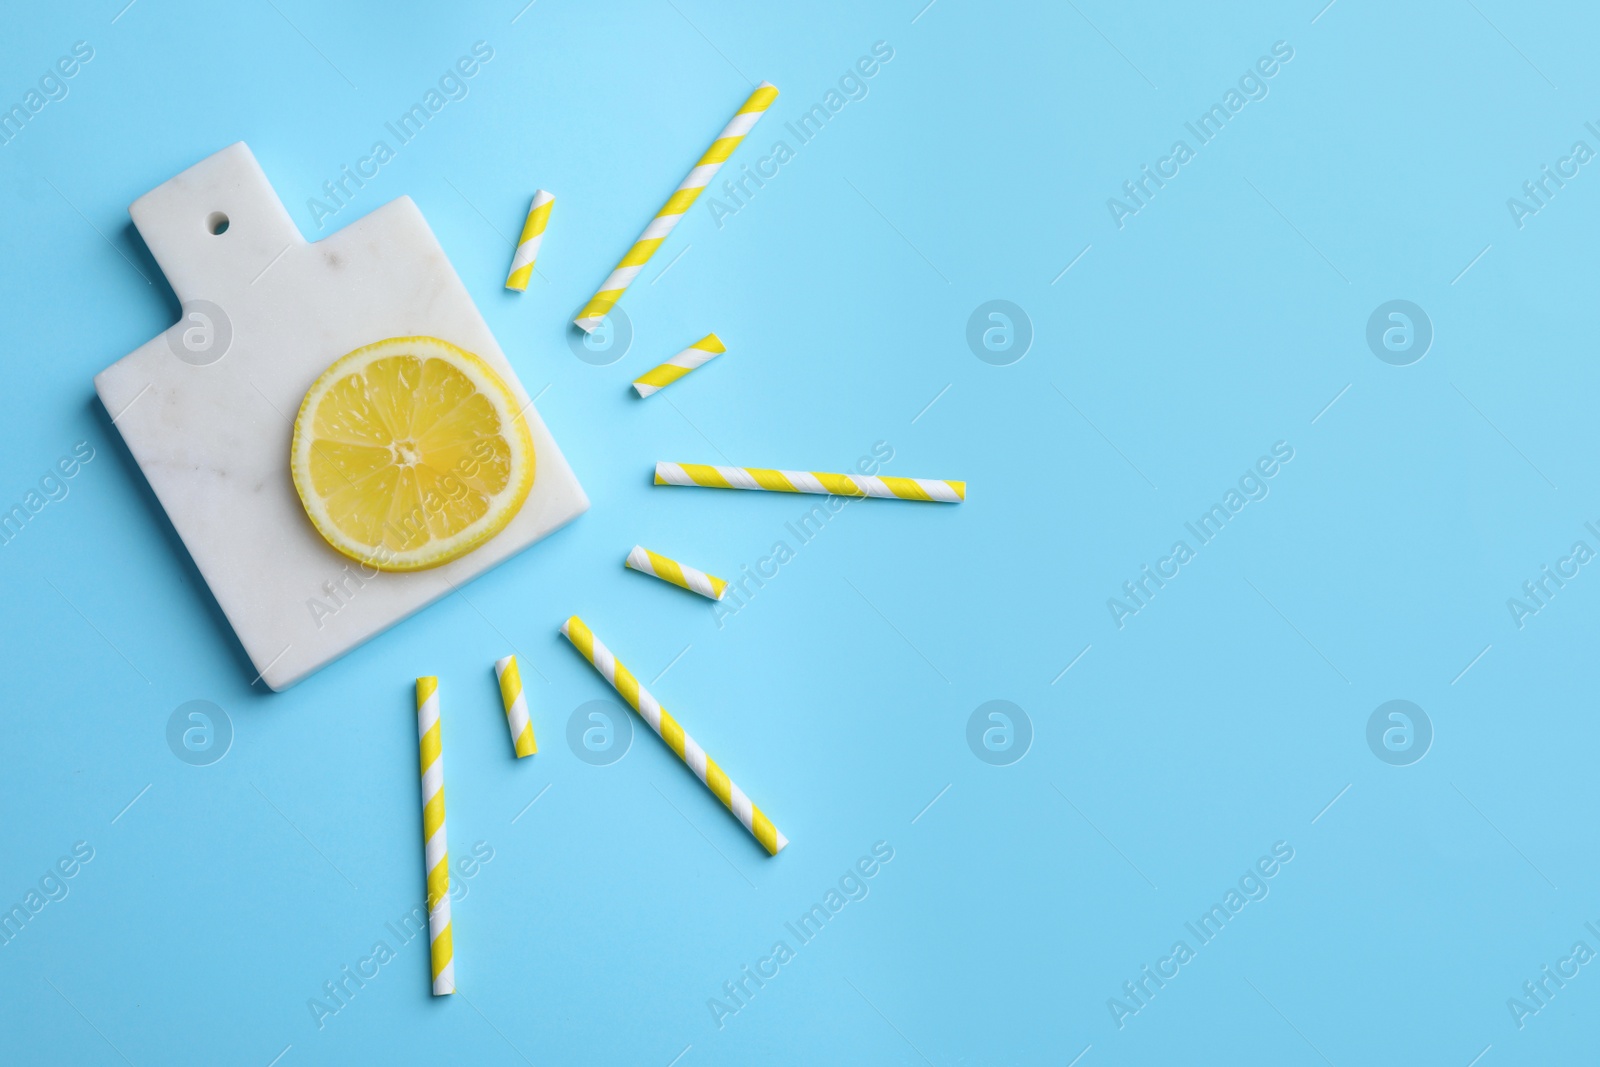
{"x":208,"y":408}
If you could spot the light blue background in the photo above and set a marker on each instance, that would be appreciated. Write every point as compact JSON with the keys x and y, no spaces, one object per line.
{"x":1223,"y":718}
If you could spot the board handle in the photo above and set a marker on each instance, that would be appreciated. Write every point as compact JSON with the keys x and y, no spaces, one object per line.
{"x":217,"y":227}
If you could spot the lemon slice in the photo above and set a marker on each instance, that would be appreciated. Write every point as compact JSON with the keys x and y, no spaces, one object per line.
{"x":410,"y":453}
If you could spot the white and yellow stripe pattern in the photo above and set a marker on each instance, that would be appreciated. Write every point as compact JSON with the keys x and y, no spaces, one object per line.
{"x":528,"y":246}
{"x":678,"y":204}
{"x":436,"y":851}
{"x":510,"y":677}
{"x":704,"y":767}
{"x":810,"y":482}
{"x":644,"y":561}
{"x":698,"y":354}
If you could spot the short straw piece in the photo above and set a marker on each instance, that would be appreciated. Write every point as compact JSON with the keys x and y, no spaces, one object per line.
{"x":516,"y":707}
{"x":600,"y":657}
{"x":698,"y":354}
{"x":528,"y":245}
{"x":436,"y":852}
{"x":644,"y":561}
{"x":810,"y":482}
{"x":676,"y":207}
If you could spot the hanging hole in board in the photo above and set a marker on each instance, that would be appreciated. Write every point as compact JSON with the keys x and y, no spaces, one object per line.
{"x":217,"y":224}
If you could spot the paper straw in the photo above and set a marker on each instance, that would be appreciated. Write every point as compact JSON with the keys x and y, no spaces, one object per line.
{"x":644,"y":561}
{"x":809,"y":482}
{"x":704,"y":767}
{"x":676,"y":207}
{"x":528,"y":245}
{"x":436,"y":853}
{"x":516,"y":707}
{"x":698,"y":354}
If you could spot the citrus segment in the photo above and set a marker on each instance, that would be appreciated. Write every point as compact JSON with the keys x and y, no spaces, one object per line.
{"x":410,"y":453}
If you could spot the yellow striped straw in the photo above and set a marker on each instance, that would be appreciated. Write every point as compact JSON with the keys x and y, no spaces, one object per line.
{"x":436,"y":852}
{"x":698,"y":354}
{"x":704,"y":767}
{"x":678,"y":204}
{"x":516,"y":707}
{"x":528,"y":245}
{"x":809,"y":482}
{"x":644,"y":561}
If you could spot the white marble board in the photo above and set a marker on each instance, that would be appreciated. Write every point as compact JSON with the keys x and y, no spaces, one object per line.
{"x":207,"y":408}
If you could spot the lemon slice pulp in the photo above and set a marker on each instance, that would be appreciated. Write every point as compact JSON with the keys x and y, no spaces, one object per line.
{"x":410,"y":453}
